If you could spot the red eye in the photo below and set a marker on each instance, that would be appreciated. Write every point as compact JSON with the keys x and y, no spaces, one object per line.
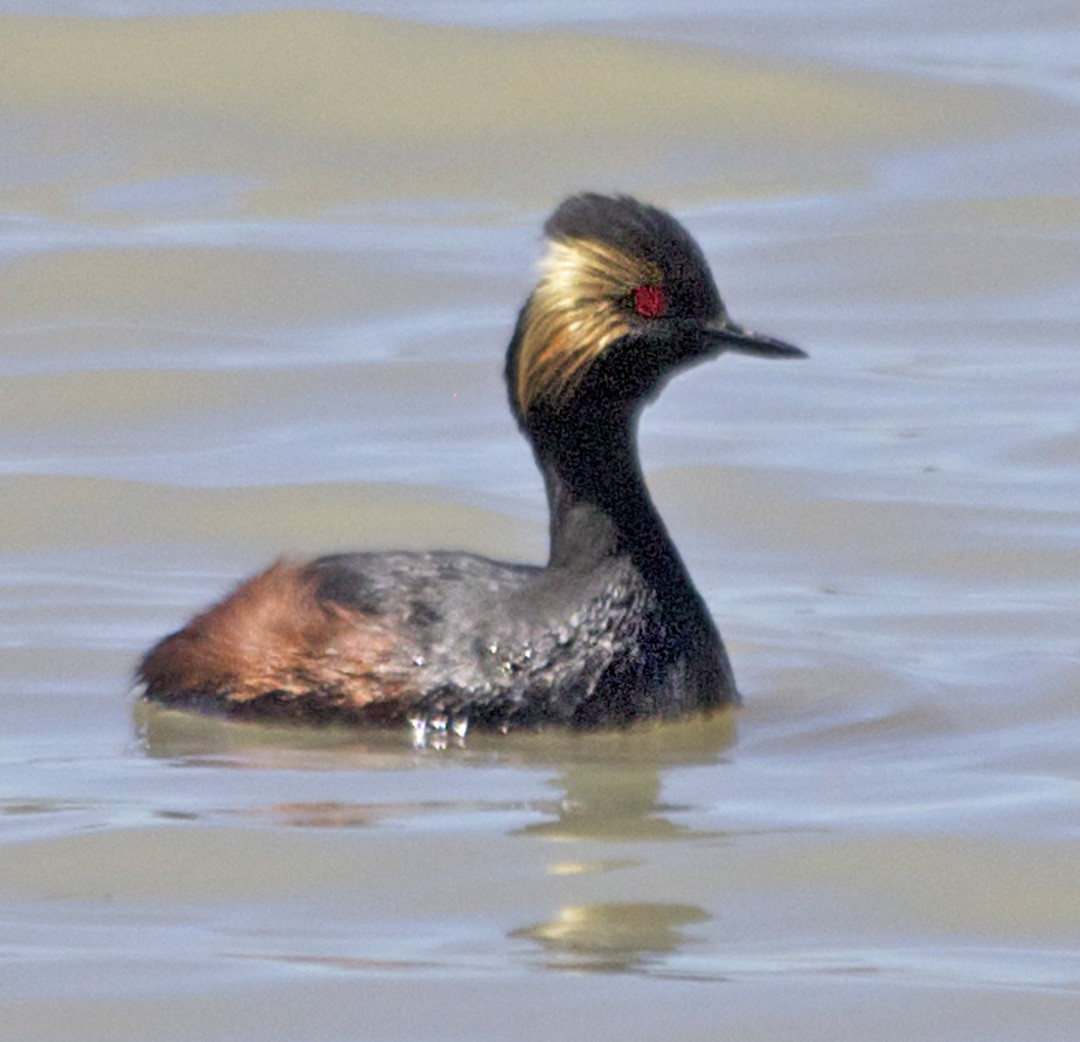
{"x":650,"y":301}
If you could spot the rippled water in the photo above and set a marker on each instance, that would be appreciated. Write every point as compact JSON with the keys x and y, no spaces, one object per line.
{"x":258,"y":266}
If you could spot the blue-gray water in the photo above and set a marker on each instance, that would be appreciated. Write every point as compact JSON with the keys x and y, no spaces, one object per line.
{"x":257,"y":272}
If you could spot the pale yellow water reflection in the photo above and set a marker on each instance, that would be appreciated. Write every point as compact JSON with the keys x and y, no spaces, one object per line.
{"x":615,"y":938}
{"x":257,"y":272}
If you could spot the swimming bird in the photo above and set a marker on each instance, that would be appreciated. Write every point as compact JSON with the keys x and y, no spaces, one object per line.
{"x":609,"y":631}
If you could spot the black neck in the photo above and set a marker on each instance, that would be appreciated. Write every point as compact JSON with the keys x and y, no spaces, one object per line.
{"x":599,"y":504}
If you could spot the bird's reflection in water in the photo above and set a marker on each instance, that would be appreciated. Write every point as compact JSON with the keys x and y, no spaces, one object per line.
{"x":611,"y":793}
{"x":608,"y":783}
{"x":611,"y":787}
{"x":612,"y":938}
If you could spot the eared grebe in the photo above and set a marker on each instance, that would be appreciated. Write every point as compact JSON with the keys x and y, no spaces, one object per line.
{"x":611,"y":630}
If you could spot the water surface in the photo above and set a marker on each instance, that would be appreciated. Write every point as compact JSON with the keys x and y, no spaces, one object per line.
{"x":258,"y":265}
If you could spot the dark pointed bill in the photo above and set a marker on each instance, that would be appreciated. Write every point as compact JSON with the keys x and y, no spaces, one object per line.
{"x":727,"y":336}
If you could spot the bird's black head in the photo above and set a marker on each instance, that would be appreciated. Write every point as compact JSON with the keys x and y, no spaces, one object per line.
{"x":625,"y":300}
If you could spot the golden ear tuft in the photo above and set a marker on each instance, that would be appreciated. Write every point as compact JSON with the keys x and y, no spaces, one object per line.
{"x":578,"y":310}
